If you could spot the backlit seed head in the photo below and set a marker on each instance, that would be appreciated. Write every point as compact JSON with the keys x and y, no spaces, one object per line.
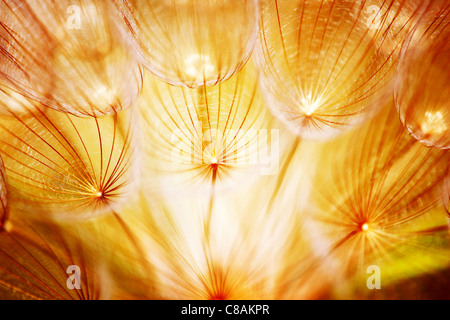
{"x":191,"y":43}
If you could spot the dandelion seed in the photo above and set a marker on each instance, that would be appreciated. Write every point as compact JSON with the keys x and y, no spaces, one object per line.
{"x":33,"y":263}
{"x":321,"y":68}
{"x":207,"y":136}
{"x":224,"y":204}
{"x":68,"y":166}
{"x":192,"y":43}
{"x":374,"y":192}
{"x":421,"y":90}
{"x":69,"y":70}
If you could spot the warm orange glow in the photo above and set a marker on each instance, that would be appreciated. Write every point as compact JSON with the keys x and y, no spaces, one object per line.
{"x":365,"y":227}
{"x":224,"y":149}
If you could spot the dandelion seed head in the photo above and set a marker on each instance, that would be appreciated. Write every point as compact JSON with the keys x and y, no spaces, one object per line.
{"x":221,"y":133}
{"x":366,"y":222}
{"x":68,"y":179}
{"x":185,"y":46}
{"x":367,"y":195}
{"x":341,"y":73}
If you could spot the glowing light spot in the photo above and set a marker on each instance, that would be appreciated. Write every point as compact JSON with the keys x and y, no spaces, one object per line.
{"x":214,"y":160}
{"x":309,"y":105}
{"x":434,"y":123}
{"x":105,"y":94}
{"x":365,"y":227}
{"x":8,"y":227}
{"x":198,"y":66}
{"x":13,"y":101}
